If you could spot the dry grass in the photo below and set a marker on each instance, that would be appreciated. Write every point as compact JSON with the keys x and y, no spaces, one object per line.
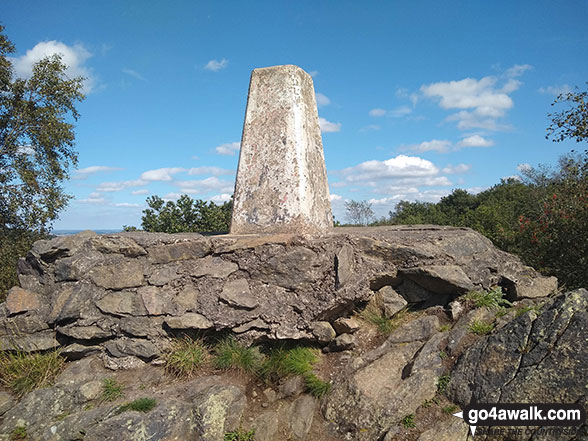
{"x":21,"y":372}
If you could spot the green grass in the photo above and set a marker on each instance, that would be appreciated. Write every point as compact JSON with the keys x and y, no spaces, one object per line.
{"x":186,"y":357}
{"x":442,"y":383}
{"x":450,"y":410}
{"x":373,"y":314}
{"x":21,"y":372}
{"x":19,"y":433}
{"x":445,"y":328}
{"x":240,"y":435}
{"x":490,"y":299}
{"x":112,"y":390}
{"x":138,"y":405}
{"x":283,"y":361}
{"x":524,"y":309}
{"x":408,"y":421}
{"x":479,"y":327}
{"x":232,"y":355}
{"x":443,"y":355}
{"x":315,"y":386}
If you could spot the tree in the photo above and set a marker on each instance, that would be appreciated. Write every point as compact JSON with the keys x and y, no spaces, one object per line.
{"x":185,"y":215}
{"x":358,"y":212}
{"x":573,"y":122}
{"x":36,"y":151}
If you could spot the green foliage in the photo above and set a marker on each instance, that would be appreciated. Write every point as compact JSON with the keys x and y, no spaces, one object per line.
{"x":21,"y":372}
{"x":19,"y":433}
{"x":14,"y":243}
{"x":186,"y":357}
{"x":490,"y":299}
{"x":138,"y":405}
{"x":230,"y":354}
{"x":358,"y":212}
{"x":36,"y":140}
{"x":315,"y":386}
{"x":408,"y":421}
{"x":442,"y":383}
{"x":373,"y":313}
{"x":450,"y":409}
{"x":112,"y":390}
{"x":571,"y":123}
{"x":445,"y":328}
{"x":240,"y":435}
{"x":443,"y":355}
{"x":479,"y":327}
{"x":283,"y":361}
{"x":524,"y":309}
{"x":186,"y":215}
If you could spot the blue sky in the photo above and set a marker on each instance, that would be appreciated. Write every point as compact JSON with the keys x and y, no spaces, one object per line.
{"x":415,"y":98}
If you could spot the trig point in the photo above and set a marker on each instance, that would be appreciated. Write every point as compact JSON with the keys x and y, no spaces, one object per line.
{"x":281,"y":184}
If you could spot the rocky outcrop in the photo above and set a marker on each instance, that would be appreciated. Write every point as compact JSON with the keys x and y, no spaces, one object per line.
{"x":126,"y":294}
{"x":533,"y":358}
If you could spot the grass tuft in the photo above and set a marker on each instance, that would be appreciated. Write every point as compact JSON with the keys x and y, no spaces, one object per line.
{"x":230,"y":354}
{"x":283,"y":361}
{"x":408,"y":421}
{"x":315,"y":386}
{"x":479,"y":327}
{"x":138,"y":405}
{"x":490,"y":299}
{"x":186,"y":357}
{"x":240,"y":435}
{"x":19,"y":433}
{"x":112,"y":390}
{"x":450,"y":409}
{"x":373,"y":314}
{"x":442,"y":383}
{"x":21,"y":372}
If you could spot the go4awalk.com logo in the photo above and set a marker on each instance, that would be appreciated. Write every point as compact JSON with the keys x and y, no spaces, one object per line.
{"x":561,"y":418}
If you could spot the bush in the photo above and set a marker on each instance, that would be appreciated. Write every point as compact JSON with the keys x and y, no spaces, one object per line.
{"x":490,"y":299}
{"x":230,"y":354}
{"x":138,"y":405}
{"x":21,"y":372}
{"x":186,"y":357}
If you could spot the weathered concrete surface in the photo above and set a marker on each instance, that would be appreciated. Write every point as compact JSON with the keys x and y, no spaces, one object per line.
{"x":281,"y":182}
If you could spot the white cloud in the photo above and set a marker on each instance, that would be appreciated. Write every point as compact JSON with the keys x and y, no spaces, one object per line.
{"x":215,"y":65}
{"x":475,"y":141}
{"x":480,"y":102}
{"x":402,"y":92}
{"x":73,"y":57}
{"x":313,"y":73}
{"x":556,"y":90}
{"x":206,"y":185}
{"x":95,"y":201}
{"x":456,"y":169}
{"x":397,"y":167}
{"x":399,"y":112}
{"x":161,"y":174}
{"x":140,"y":192}
{"x":95,"y":195}
{"x":215,"y":171}
{"x":171,"y":196}
{"x":517,"y":70}
{"x":328,"y":126}
{"x":134,"y":74}
{"x":435,"y":145}
{"x":120,"y":185}
{"x":524,"y":167}
{"x":322,"y":100}
{"x":83,"y":173}
{"x":335,"y":197}
{"x":229,"y":149}
{"x":378,"y":112}
{"x":126,"y":204}
{"x":221,"y":198}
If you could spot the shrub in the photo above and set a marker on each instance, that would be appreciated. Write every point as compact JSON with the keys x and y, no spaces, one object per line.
{"x":442,"y":383}
{"x":112,"y":390}
{"x":408,"y":421}
{"x":230,"y":354}
{"x":240,"y":435}
{"x":490,"y":299}
{"x":138,"y":405}
{"x":21,"y":372}
{"x":186,"y":357}
{"x":481,"y":328}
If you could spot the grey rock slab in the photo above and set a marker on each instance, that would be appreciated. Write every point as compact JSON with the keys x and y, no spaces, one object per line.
{"x":75,"y":351}
{"x":218,"y":410}
{"x":323,"y":332}
{"x":413,"y":292}
{"x":440,"y":279}
{"x":20,"y":300}
{"x":253,"y":324}
{"x":391,"y":301}
{"x":281,"y":183}
{"x":453,"y":429}
{"x":291,"y":387}
{"x":103,"y":328}
{"x":190,"y":320}
{"x":301,"y":417}
{"x":344,"y":265}
{"x":142,"y":326}
{"x":194,"y":248}
{"x":266,"y":426}
{"x":416,"y":330}
{"x":237,"y":294}
{"x":6,"y":402}
{"x":117,"y":244}
{"x":163,"y":275}
{"x":157,"y":301}
{"x":137,"y":347}
{"x":211,"y":266}
{"x":122,"y":303}
{"x":127,"y":274}
{"x":535,"y":287}
{"x":343,"y":342}
{"x":38,"y":341}
{"x":345,"y":325}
